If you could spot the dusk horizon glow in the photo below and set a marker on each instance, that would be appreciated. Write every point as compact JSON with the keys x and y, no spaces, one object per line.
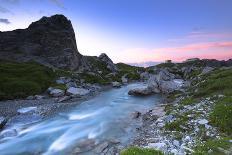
{"x":135,"y":31}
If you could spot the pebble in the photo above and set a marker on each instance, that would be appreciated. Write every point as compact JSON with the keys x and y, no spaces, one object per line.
{"x":203,"y":121}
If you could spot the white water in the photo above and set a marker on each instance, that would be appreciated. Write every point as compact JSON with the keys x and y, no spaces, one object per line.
{"x":107,"y":116}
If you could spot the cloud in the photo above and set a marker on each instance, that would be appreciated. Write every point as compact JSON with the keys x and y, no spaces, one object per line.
{"x":208,"y":50}
{"x":200,"y":35}
{"x":5,"y":21}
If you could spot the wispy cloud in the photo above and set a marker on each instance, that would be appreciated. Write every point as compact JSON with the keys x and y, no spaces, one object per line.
{"x":209,"y":50}
{"x":200,"y":35}
{"x":4,"y":21}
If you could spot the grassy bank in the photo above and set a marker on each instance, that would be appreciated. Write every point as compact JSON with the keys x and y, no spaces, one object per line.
{"x":140,"y":151}
{"x":18,"y":80}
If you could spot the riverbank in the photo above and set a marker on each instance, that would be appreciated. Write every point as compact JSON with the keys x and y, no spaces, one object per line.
{"x":87,"y":128}
{"x":194,"y":121}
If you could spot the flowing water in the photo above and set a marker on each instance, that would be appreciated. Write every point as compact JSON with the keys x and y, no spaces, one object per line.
{"x":107,"y":116}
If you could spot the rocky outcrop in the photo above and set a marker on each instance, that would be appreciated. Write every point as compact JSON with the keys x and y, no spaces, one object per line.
{"x":164,"y":82}
{"x":110,"y":65}
{"x":49,"y":41}
{"x":144,"y":91}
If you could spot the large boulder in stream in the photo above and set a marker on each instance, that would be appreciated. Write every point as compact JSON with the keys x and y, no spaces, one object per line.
{"x":3,"y":122}
{"x":144,"y":91}
{"x":163,"y":82}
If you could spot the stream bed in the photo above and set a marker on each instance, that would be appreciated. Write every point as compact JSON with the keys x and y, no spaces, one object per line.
{"x":102,"y":121}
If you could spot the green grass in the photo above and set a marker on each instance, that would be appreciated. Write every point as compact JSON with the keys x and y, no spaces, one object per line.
{"x":140,"y":151}
{"x":221,"y":116}
{"x":218,"y":82}
{"x":188,"y":101}
{"x":94,"y":79}
{"x":97,"y":64}
{"x":214,"y":146}
{"x":176,"y":125}
{"x":18,"y":80}
{"x":131,"y":71}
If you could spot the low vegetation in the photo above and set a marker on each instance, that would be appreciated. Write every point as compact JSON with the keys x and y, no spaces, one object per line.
{"x":213,"y":147}
{"x":218,"y":82}
{"x":19,"y":80}
{"x":221,"y":115}
{"x":140,"y":151}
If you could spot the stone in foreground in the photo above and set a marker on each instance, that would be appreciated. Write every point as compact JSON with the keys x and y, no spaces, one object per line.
{"x":77,"y":91}
{"x":140,"y":92}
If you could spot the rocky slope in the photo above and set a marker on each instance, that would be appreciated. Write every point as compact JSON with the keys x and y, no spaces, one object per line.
{"x":195,"y":119}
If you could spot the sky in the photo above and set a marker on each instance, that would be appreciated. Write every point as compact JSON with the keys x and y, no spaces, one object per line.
{"x":135,"y":31}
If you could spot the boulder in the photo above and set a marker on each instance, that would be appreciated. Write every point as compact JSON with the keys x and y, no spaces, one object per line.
{"x":3,"y":122}
{"x":101,"y":147}
{"x":136,"y":114}
{"x":110,"y":65}
{"x":63,"y":80}
{"x":77,"y":91}
{"x":116,"y":84}
{"x":153,"y":84}
{"x":55,"y":92}
{"x":164,"y":75}
{"x":164,"y":82}
{"x":203,"y":121}
{"x":144,"y":76}
{"x":206,"y":70}
{"x":124,"y":79}
{"x":144,"y":91}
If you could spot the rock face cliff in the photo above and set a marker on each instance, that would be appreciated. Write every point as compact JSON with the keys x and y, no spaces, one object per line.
{"x":49,"y":41}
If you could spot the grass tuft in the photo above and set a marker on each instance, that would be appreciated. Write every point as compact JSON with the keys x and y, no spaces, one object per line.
{"x":140,"y":151}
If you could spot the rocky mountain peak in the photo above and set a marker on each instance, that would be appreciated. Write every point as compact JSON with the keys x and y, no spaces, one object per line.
{"x":55,"y":22}
{"x":49,"y":41}
{"x":110,"y":65}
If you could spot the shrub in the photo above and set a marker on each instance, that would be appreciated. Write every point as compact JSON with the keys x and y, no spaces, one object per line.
{"x":140,"y":151}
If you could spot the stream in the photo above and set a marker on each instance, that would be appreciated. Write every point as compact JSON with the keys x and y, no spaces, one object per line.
{"x":107,"y":117}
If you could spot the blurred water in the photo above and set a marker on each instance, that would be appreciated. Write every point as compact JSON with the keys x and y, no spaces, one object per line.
{"x":107,"y":116}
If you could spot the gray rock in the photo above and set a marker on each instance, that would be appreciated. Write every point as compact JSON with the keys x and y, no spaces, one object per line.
{"x":3,"y":122}
{"x":55,"y":92}
{"x":144,"y":76}
{"x":71,"y":84}
{"x":49,"y":41}
{"x":77,"y":91}
{"x":110,"y":65}
{"x":64,"y":98}
{"x":140,"y":92}
{"x":203,"y":121}
{"x":136,"y":114}
{"x":206,"y":70}
{"x":159,"y":146}
{"x":124,"y":79}
{"x":101,"y":147}
{"x":63,"y":80}
{"x":116,"y":84}
{"x":176,"y":143}
{"x":39,"y":97}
